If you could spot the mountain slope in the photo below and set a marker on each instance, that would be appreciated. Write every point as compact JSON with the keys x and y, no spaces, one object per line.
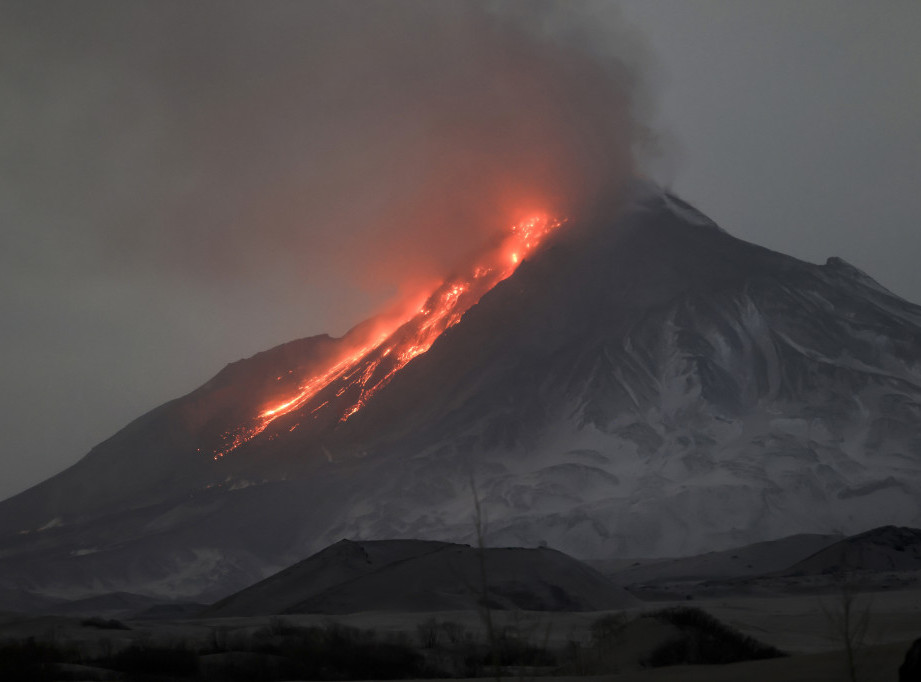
{"x":738,"y":562}
{"x":644,"y":385}
{"x":881,"y":549}
{"x":158,"y":456}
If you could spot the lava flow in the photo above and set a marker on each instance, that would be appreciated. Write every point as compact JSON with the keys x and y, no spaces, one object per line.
{"x":346,"y":384}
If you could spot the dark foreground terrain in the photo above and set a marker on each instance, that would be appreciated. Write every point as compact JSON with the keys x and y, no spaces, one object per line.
{"x":797,"y":608}
{"x":789,"y":638}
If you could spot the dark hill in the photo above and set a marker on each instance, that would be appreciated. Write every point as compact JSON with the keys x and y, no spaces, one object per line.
{"x":889,"y":548}
{"x":412,"y":575}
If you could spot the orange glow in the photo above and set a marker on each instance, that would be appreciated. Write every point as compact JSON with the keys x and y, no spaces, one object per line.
{"x":346,"y":385}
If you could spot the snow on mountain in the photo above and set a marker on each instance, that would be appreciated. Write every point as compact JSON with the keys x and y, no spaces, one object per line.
{"x":644,"y":385}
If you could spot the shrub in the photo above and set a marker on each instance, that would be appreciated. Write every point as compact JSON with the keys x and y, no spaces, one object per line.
{"x":338,"y":652}
{"x":104,"y":624}
{"x":455,"y":633}
{"x":705,"y":640}
{"x":31,"y":660}
{"x":605,"y":630}
{"x":149,"y":659}
{"x":427,"y":631}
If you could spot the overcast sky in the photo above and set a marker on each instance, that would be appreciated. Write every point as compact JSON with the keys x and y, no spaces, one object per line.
{"x":186,"y":185}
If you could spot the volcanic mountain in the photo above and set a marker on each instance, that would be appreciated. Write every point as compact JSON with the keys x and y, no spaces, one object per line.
{"x":640,"y":383}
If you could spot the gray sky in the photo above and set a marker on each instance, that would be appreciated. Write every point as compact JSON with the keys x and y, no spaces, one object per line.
{"x":183,"y":187}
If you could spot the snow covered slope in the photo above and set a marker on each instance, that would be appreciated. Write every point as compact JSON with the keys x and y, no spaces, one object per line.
{"x":645,"y":385}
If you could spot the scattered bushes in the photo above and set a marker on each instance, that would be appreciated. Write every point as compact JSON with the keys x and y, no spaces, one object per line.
{"x":31,"y":659}
{"x":457,"y":651}
{"x":607,"y":629}
{"x":675,"y":636}
{"x":283,"y":650}
{"x":278,"y":652}
{"x":332,"y":652}
{"x":143,"y":659}
{"x":705,"y":640}
{"x":104,"y":623}
{"x":427,"y":632}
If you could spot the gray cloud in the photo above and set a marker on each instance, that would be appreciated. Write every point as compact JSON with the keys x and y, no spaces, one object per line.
{"x":219,"y":143}
{"x":795,"y":124}
{"x":185,"y":184}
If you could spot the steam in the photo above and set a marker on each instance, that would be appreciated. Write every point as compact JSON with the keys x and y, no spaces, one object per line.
{"x":326,"y":145}
{"x":449,"y":122}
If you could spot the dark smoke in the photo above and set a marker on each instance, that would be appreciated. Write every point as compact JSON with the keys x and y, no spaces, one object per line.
{"x":335,"y":141}
{"x":186,"y":183}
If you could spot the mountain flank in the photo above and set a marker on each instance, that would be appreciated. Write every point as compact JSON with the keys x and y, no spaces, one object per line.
{"x":643,"y":385}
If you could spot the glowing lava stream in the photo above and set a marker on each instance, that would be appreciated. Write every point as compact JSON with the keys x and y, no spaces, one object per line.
{"x":347,"y":384}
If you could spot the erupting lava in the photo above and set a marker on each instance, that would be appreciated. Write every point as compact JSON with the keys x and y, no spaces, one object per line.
{"x":347,"y":383}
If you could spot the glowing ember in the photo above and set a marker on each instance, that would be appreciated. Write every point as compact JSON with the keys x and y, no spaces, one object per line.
{"x":346,"y":385}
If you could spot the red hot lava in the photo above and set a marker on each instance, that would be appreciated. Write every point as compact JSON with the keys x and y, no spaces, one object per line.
{"x":349,"y":382}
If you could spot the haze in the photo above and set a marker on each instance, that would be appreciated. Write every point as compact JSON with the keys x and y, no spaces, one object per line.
{"x":185,"y":186}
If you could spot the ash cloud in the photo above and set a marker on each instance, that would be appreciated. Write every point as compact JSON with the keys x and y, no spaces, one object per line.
{"x":336,"y":141}
{"x":189,"y":183}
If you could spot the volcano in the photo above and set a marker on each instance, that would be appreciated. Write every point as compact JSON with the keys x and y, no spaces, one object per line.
{"x":633,"y":381}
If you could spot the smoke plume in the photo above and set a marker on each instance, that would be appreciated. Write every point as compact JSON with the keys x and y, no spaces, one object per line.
{"x":332,"y":143}
{"x":186,"y":184}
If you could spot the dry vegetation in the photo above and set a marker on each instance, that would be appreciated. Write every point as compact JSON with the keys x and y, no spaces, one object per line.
{"x":282,"y":650}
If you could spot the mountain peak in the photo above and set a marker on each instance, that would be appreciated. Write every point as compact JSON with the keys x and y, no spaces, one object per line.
{"x":644,"y":384}
{"x":840,"y":266}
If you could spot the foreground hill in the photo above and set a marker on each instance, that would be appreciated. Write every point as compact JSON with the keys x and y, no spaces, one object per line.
{"x":750,"y":560}
{"x":885,"y":558}
{"x":412,"y":575}
{"x":879,"y":550}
